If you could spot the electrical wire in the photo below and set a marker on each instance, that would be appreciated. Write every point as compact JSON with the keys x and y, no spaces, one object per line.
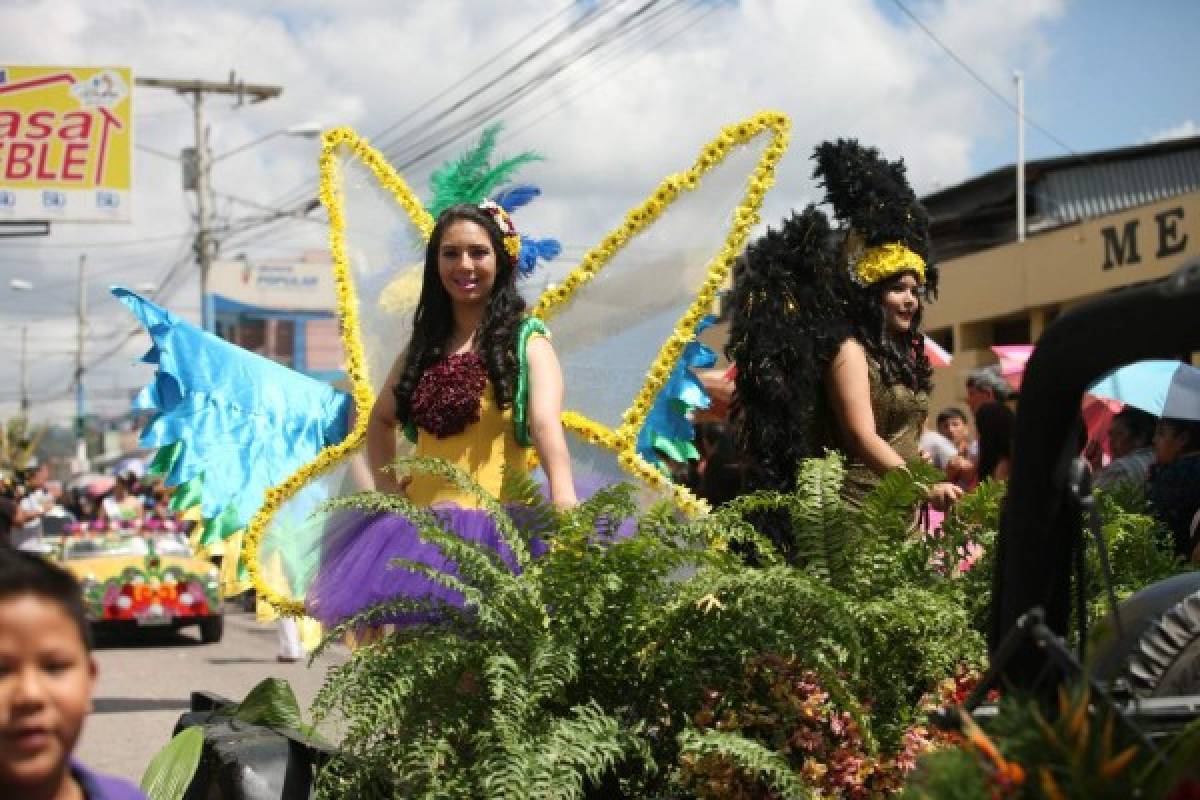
{"x":980,"y":79}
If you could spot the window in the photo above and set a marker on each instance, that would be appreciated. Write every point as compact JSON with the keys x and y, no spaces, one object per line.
{"x":944,"y":338}
{"x":1011,"y":331}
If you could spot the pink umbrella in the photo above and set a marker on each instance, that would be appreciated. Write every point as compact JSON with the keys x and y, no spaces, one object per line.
{"x":1013,"y":358}
{"x":101,"y":485}
{"x":936,"y":354}
{"x":1098,"y":413}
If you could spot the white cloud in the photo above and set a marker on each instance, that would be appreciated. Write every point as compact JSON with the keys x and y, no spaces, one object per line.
{"x":1187,"y":128}
{"x":611,"y":125}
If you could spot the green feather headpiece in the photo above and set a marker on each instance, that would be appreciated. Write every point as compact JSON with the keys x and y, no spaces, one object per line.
{"x":471,"y":178}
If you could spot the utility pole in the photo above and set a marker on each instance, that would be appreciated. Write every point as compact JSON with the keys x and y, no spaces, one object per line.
{"x":25,"y":371}
{"x":205,"y":245}
{"x":1019,"y":80}
{"x":81,"y":456}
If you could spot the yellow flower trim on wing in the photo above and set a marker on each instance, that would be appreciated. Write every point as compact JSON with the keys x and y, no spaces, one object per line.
{"x":622,"y":441}
{"x":745,"y":217}
{"x":602,"y":436}
{"x":332,"y":143}
{"x":887,"y":260}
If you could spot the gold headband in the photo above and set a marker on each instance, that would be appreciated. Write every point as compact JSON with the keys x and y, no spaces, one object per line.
{"x":886,"y":260}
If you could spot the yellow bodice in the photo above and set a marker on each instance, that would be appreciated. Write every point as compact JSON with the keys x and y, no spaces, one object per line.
{"x":482,"y":451}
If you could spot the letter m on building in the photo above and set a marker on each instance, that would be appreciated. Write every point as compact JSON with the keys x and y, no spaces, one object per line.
{"x":1120,"y":250}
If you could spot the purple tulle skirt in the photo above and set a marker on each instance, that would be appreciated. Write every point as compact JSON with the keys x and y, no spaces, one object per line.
{"x":356,"y":572}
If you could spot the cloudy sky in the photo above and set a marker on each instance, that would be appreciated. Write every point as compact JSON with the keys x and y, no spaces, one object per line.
{"x":613,"y":98}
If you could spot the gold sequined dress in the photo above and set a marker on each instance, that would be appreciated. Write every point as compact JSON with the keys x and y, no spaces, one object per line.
{"x":900,"y":414}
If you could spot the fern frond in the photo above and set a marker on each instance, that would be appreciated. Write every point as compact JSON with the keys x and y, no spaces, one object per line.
{"x":820,"y":534}
{"x":749,"y":756}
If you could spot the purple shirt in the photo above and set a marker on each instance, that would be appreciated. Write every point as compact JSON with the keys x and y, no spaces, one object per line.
{"x":104,"y":787}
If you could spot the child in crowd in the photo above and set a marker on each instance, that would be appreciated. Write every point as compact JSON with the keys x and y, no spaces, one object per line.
{"x":46,"y":678}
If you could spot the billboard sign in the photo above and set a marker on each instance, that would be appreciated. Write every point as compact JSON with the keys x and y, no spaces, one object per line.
{"x":66,"y":142}
{"x":291,"y":285}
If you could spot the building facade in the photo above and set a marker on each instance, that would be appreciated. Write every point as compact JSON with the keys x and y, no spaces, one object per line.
{"x":1096,"y":222}
{"x":283,"y":310}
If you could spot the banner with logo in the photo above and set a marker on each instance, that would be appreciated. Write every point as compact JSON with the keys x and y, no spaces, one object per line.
{"x":66,"y":141}
{"x":304,"y":284}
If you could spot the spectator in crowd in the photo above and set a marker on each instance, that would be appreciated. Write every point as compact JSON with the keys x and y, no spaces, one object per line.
{"x":952,"y":424}
{"x":34,"y":504}
{"x":960,"y":469}
{"x":995,"y":423}
{"x":1173,"y":487}
{"x":986,"y":385}
{"x":1130,"y":437}
{"x":12,"y":518}
{"x":123,"y":504}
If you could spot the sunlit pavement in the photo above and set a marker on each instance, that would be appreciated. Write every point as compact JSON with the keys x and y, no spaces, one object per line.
{"x":146,"y":680}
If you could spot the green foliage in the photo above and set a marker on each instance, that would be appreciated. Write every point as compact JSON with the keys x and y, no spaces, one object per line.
{"x":1080,"y":751}
{"x":1140,"y":551}
{"x":750,"y":757}
{"x":582,"y":675}
{"x":589,"y":673}
{"x":170,"y":772}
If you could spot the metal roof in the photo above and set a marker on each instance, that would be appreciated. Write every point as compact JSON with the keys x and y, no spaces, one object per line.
{"x":1064,"y":196}
{"x":980,"y":213}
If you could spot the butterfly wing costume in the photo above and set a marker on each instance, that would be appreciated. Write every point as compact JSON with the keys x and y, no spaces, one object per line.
{"x":622,"y":322}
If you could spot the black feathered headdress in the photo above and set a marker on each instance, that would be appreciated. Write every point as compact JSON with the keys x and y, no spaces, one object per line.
{"x":888,"y":228}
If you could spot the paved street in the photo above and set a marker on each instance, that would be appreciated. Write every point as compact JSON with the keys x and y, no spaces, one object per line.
{"x":145,"y":683}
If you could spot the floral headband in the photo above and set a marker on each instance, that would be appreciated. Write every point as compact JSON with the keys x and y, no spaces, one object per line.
{"x":870,"y":265}
{"x":512,"y":239}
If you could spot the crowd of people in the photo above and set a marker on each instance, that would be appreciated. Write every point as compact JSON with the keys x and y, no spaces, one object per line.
{"x":32,"y":505}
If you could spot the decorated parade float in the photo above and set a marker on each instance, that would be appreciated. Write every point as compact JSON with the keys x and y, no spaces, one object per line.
{"x":657,"y":648}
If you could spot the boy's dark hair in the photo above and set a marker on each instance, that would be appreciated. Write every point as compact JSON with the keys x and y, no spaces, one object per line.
{"x":947,"y":414}
{"x":1187,"y":427}
{"x":1140,"y":424}
{"x":28,"y":573}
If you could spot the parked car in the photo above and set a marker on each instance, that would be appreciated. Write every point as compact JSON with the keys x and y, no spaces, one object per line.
{"x":145,"y":579}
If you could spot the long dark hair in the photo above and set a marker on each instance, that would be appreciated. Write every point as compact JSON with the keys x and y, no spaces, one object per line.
{"x":433,"y":323}
{"x":900,"y":356}
{"x":996,"y":424}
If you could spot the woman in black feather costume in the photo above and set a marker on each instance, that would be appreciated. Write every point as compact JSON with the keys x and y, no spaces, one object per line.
{"x":825,"y":331}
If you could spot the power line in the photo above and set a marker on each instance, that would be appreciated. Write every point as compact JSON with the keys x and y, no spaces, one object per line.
{"x":607,"y":75}
{"x":980,"y":79}
{"x":640,"y":19}
{"x":439,"y":139}
{"x":306,"y":191}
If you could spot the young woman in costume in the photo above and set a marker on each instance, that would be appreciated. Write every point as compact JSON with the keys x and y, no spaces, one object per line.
{"x":478,"y":383}
{"x":826,"y":331}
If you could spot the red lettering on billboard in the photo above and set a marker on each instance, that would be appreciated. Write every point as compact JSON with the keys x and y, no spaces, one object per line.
{"x":39,"y":125}
{"x":19,"y":164}
{"x":74,"y":156}
{"x":10,"y":124}
{"x":78,"y":125}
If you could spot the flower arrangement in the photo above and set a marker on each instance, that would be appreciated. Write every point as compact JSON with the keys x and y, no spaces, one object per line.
{"x":448,"y":396}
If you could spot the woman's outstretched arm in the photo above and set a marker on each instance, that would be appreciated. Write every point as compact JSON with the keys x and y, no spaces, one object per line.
{"x":849,"y":390}
{"x":545,"y":420}
{"x":381,"y":436}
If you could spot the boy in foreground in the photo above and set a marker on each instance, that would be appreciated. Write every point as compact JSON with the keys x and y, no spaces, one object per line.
{"x":47,"y":674}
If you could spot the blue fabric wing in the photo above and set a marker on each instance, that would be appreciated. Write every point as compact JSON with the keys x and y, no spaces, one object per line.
{"x":667,"y":429}
{"x":244,"y":422}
